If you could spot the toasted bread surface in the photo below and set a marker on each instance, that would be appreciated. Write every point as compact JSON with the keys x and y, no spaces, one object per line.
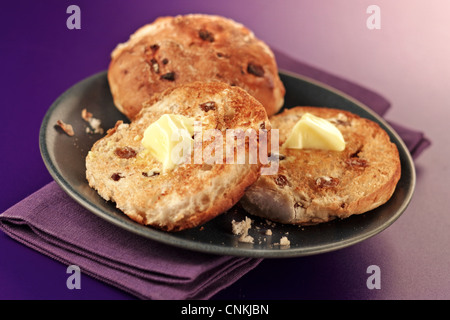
{"x":314,"y":186}
{"x":123,"y":171}
{"x":195,"y":47}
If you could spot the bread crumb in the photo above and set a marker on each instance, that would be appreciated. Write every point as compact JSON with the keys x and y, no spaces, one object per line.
{"x":270,"y":223}
{"x":246,"y":239}
{"x":284,"y":241}
{"x":268,"y":232}
{"x":67,"y":128}
{"x":86,"y":115}
{"x":241,"y":229}
{"x":94,"y":123}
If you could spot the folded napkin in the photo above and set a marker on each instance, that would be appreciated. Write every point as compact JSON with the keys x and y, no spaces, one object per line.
{"x":52,"y":223}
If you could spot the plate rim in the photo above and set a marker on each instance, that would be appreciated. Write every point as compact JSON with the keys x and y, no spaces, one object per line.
{"x":166,"y":238}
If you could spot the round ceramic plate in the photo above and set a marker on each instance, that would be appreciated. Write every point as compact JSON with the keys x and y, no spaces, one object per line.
{"x":64,"y":157}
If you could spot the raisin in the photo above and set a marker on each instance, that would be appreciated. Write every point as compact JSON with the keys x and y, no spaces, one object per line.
{"x":170,"y":76}
{"x":327,"y":182}
{"x":154,"y":47}
{"x":255,"y":69}
{"x":276,"y":156}
{"x":206,"y":35}
{"x":116,"y":176}
{"x":125,"y":153}
{"x":210,"y":105}
{"x":356,"y":153}
{"x":222,"y":55}
{"x":357,"y":163}
{"x":298,"y":205}
{"x":340,"y":122}
{"x":151,"y":50}
{"x":281,"y":181}
{"x":206,"y":167}
{"x":153,"y":174}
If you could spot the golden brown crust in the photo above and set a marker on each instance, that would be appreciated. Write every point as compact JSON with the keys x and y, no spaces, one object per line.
{"x":121,"y":170}
{"x":195,"y":47}
{"x":314,"y":186}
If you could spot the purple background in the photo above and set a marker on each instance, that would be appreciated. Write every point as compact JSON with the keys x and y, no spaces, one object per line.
{"x":407,"y":61}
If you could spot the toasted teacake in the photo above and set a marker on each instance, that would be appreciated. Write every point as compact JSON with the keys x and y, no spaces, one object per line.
{"x":122,"y":170}
{"x":194,"y":47}
{"x":314,"y":186}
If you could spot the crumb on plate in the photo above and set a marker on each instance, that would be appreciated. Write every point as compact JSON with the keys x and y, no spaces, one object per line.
{"x":241,"y":228}
{"x":67,"y":128}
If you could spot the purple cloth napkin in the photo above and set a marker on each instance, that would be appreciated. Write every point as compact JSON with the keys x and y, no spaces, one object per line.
{"x":52,"y":223}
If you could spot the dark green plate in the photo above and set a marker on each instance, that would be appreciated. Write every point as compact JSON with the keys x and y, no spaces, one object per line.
{"x":64,"y":157}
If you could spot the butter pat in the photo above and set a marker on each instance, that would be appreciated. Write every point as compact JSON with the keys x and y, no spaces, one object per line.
{"x":315,"y":133}
{"x":169,"y":139}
